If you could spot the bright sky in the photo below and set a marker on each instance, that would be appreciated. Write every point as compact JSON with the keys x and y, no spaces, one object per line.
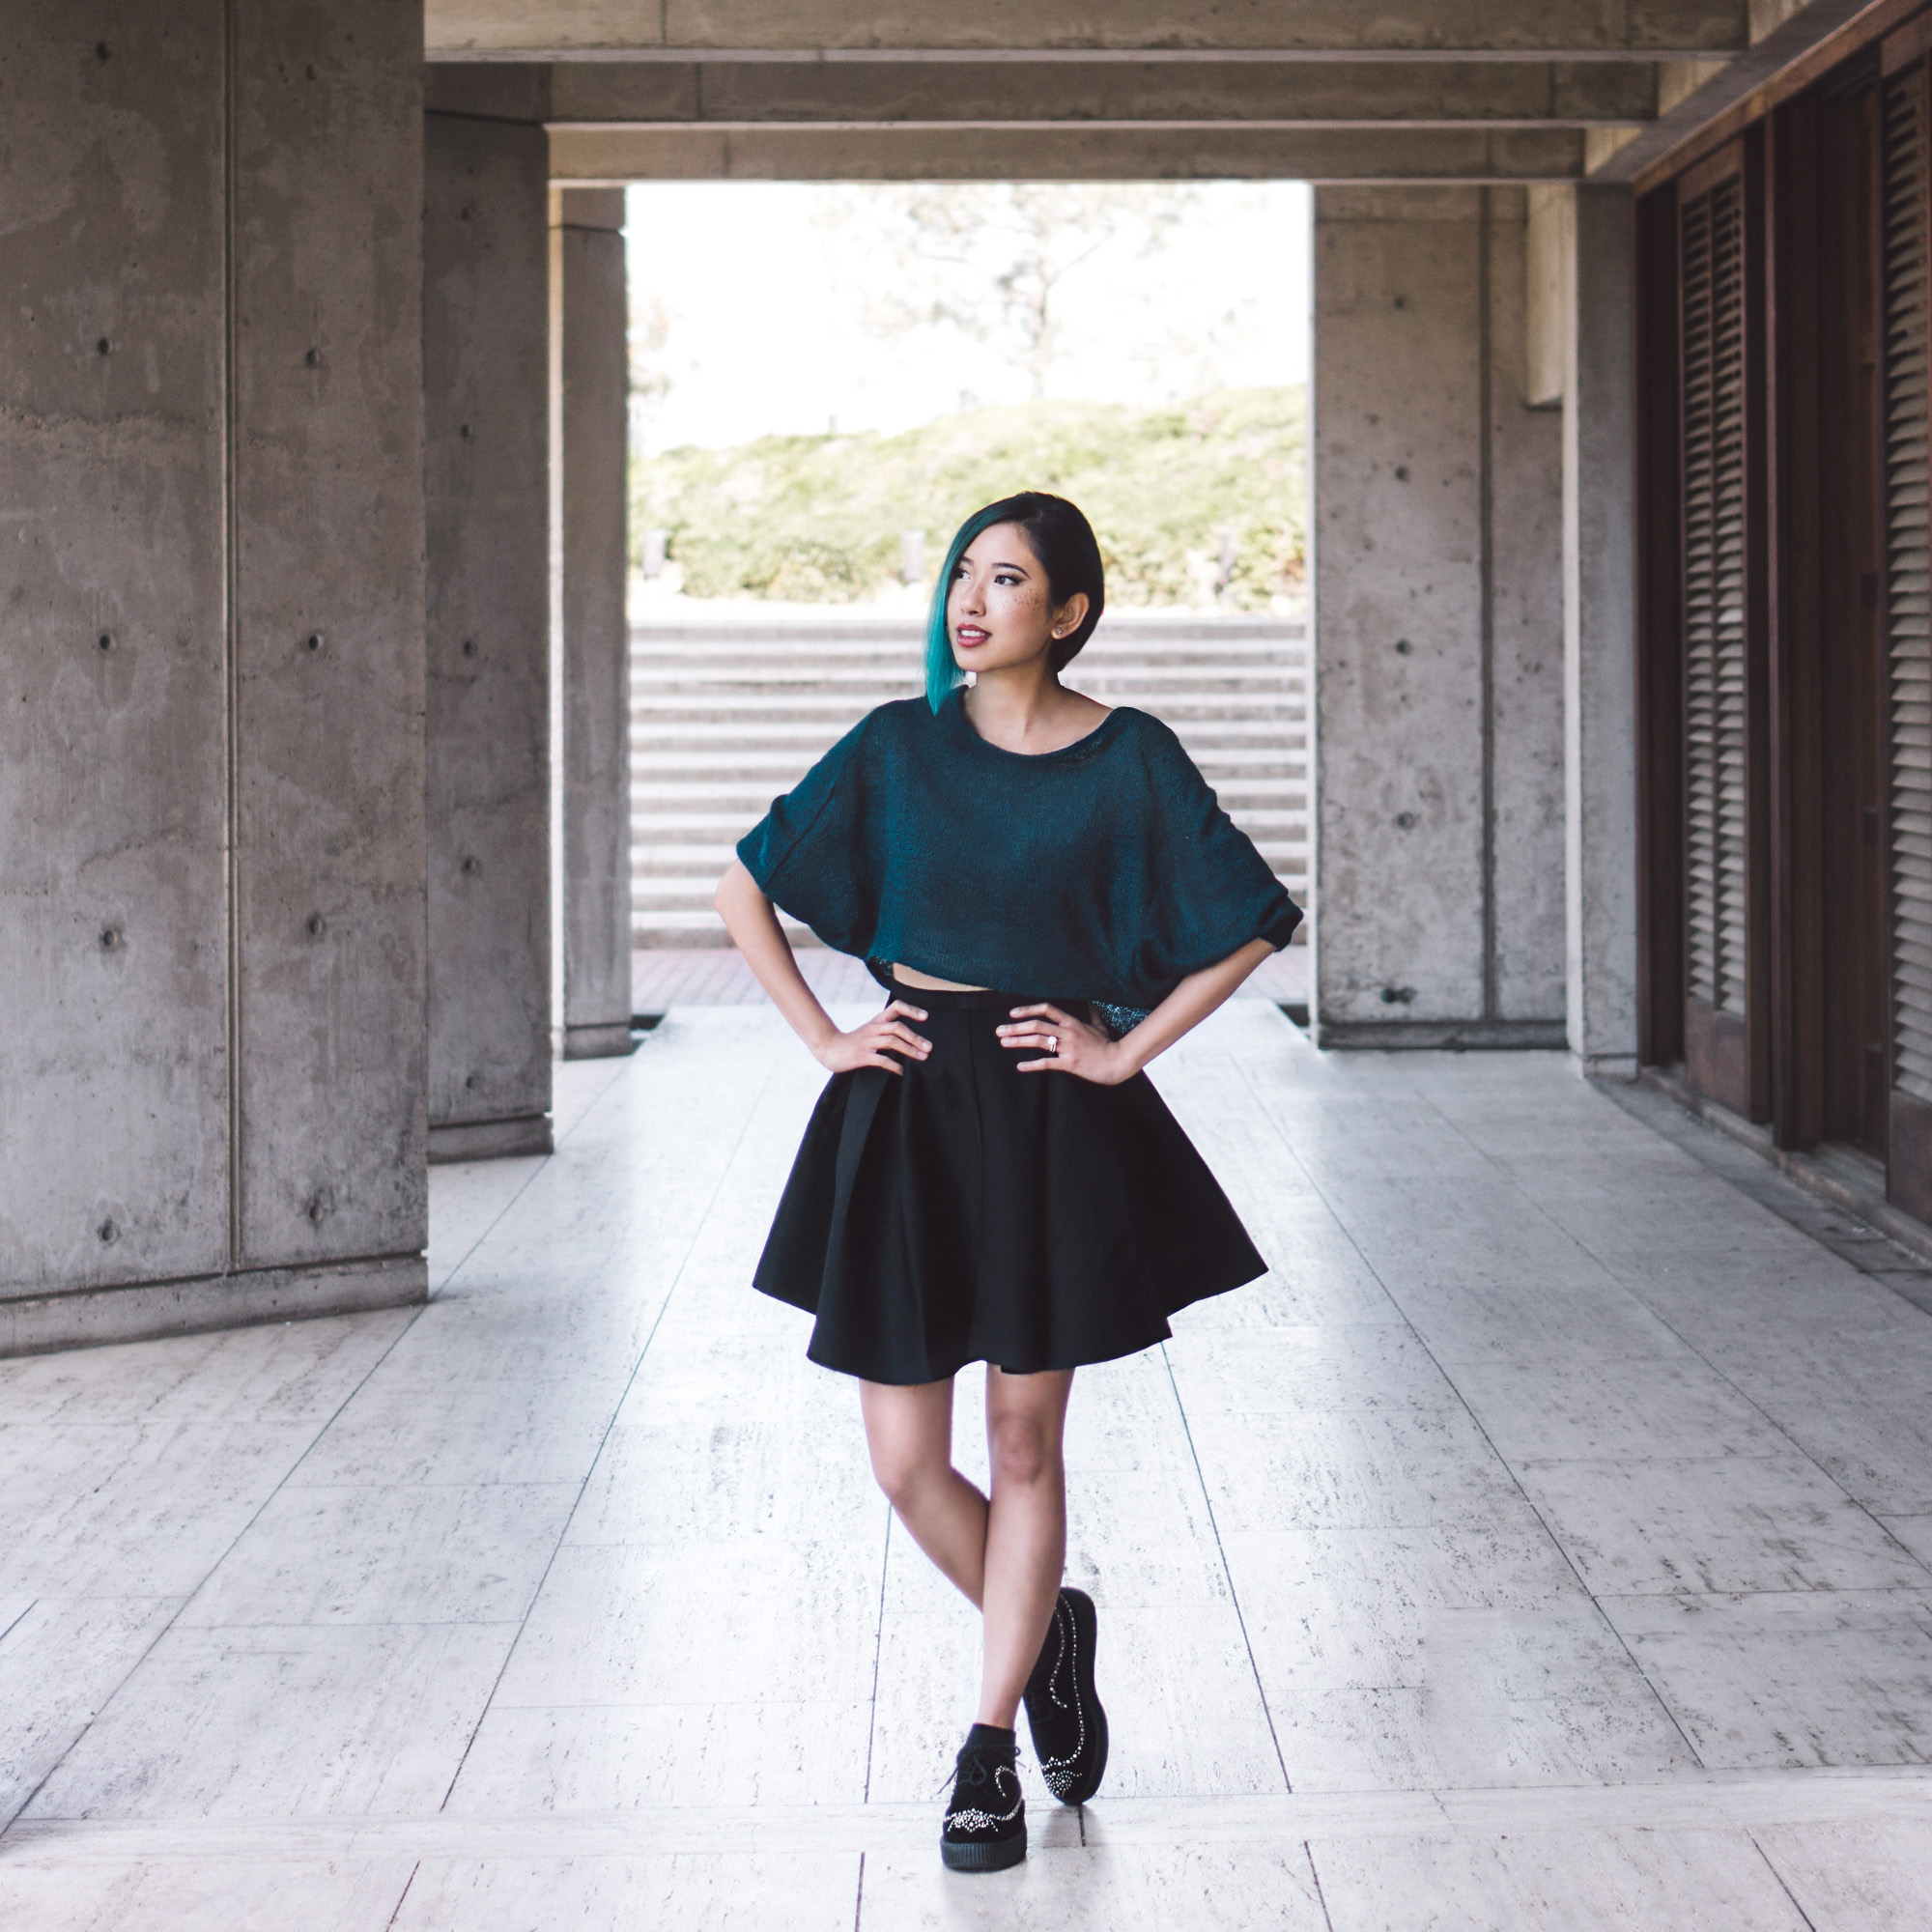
{"x":764,"y":290}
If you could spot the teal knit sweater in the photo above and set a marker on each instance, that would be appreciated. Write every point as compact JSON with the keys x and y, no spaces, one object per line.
{"x":1105,"y":871}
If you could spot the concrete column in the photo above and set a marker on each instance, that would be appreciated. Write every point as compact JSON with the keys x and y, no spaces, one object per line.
{"x":486,"y":463}
{"x":212,"y":905}
{"x":1437,"y":627}
{"x":1599,"y":630}
{"x":589,"y":423}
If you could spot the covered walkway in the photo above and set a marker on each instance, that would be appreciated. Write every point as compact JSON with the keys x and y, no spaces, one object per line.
{"x":1548,"y":1543}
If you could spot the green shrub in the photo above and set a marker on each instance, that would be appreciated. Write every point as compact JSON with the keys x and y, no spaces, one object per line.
{"x":817,"y":519}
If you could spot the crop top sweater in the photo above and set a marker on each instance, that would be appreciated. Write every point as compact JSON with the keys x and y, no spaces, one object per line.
{"x":1105,"y":871}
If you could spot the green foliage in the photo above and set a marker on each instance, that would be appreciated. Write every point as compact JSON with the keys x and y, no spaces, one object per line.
{"x":816,"y":519}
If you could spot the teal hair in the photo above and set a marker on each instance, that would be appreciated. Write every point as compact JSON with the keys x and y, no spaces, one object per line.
{"x":1063,"y":540}
{"x":942,"y":673}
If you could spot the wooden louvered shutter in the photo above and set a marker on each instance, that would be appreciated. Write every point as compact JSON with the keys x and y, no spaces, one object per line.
{"x":1715,"y":361}
{"x":1908,"y":549}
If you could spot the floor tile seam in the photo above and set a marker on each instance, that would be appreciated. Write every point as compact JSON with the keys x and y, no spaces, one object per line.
{"x":670,"y":1289}
{"x":1859,"y":1593}
{"x":1783,"y":1884}
{"x":186,"y":1601}
{"x":416,"y":1485}
{"x":1233,"y":1594}
{"x":241,"y":1629}
{"x":878,"y":1654}
{"x":1556,"y":1543}
{"x":1704,"y":1801}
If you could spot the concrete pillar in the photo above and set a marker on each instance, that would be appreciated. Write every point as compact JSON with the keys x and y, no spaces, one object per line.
{"x":1599,"y":630}
{"x":589,"y":423}
{"x":1438,"y":851}
{"x":486,"y":475}
{"x":211,"y":913}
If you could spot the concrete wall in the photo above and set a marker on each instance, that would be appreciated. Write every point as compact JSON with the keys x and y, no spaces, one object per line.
{"x":211,"y":898}
{"x":1600,"y":631}
{"x":1438,"y":629}
{"x":486,"y":458}
{"x":589,"y":424}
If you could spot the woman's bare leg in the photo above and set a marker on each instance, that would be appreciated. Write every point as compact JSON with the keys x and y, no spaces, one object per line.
{"x":1005,"y":1556}
{"x":909,"y":1432}
{"x":1026,"y":1531}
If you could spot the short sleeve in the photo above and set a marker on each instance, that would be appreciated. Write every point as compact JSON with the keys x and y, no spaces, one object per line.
{"x":1212,"y":892}
{"x":810,"y":852}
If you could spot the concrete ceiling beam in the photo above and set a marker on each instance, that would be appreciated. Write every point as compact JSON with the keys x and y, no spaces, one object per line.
{"x":577,"y":29}
{"x":580,"y":156}
{"x":998,"y":94}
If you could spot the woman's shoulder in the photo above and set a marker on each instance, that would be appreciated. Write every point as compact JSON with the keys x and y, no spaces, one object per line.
{"x":1145,"y":737}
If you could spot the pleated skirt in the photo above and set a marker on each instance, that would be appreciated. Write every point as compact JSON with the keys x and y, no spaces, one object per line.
{"x":964,"y":1212}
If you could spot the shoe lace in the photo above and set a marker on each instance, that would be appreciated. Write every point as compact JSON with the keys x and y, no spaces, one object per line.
{"x":969,"y":1769}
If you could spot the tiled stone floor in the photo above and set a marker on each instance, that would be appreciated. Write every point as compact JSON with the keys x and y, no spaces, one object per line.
{"x":1544,"y":1544}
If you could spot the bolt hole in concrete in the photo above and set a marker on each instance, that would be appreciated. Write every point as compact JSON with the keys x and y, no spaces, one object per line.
{"x":106,"y":641}
{"x":1406,"y":820}
{"x":111,"y":938}
{"x":469,"y":647}
{"x":314,"y":641}
{"x":1401,"y":472}
{"x":102,"y":347}
{"x":313,"y":358}
{"x":316,"y":926}
{"x":1398,"y":996}
{"x":473,"y":866}
{"x":1403,"y":647}
{"x":107,"y":1230}
{"x":318,"y":1210}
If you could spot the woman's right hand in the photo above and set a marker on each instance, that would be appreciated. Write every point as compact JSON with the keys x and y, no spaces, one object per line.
{"x":866,"y":1045}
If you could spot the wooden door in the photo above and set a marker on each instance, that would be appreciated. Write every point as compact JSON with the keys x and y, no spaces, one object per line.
{"x":1721,"y":627}
{"x":1829,"y":983}
{"x":1907,"y":108}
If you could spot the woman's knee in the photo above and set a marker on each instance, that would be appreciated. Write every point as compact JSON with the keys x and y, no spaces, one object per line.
{"x":1025,"y":1449}
{"x":907,"y":1470}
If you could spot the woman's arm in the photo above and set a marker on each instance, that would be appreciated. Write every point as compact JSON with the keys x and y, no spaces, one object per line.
{"x":756,"y":933}
{"x":1085,"y":1049}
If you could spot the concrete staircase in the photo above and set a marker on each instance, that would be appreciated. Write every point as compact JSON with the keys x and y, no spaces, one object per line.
{"x":725,"y":715}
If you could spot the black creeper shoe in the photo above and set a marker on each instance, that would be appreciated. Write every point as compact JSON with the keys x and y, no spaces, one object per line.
{"x":1069,"y":1728}
{"x":985,"y":1819}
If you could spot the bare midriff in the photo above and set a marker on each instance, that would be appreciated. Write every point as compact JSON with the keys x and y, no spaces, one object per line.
{"x":906,"y":977}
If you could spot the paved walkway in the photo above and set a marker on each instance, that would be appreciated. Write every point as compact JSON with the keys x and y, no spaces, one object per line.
{"x":1544,"y":1544}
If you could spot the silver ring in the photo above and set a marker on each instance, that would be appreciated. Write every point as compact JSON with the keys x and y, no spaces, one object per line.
{"x":1053,"y":1042}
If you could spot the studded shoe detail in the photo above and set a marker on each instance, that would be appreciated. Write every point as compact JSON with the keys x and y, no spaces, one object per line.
{"x":986,"y":1818}
{"x":1069,"y":1728}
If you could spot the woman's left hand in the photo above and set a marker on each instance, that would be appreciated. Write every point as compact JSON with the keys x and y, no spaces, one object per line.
{"x":1070,"y":1045}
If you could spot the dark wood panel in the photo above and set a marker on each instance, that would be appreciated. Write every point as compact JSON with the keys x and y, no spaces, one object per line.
{"x":1716,"y":1053}
{"x":1660,"y":704}
{"x":1909,"y":1169}
{"x":1792,"y":352}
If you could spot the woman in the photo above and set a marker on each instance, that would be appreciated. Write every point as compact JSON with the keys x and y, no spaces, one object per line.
{"x":1053,"y":897}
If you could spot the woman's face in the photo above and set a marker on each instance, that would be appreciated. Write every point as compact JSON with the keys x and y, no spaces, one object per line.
{"x":999,"y":612}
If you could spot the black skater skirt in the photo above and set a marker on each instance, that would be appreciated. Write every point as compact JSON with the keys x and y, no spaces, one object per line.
{"x":964,"y":1212}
